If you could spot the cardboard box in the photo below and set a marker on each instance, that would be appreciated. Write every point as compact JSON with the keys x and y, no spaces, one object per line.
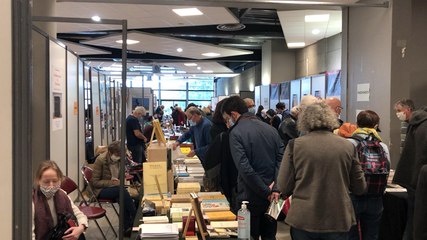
{"x":157,"y":153}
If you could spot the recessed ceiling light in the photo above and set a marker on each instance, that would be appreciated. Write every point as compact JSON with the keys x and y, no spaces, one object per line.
{"x":315,"y":31}
{"x":211,"y":54}
{"x":198,"y":68}
{"x":190,"y":64}
{"x":296,"y":44}
{"x":96,"y":18}
{"x":184,"y":12}
{"x":179,"y":49}
{"x":317,"y":18}
{"x":129,"y":41}
{"x":207,"y":71}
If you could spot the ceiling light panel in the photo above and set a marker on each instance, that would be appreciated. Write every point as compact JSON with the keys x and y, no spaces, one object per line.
{"x":186,"y":12}
{"x":167,"y":46}
{"x":297,"y":29}
{"x":138,"y":16}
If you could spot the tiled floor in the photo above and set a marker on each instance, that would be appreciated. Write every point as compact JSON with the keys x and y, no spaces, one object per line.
{"x":93,"y":233}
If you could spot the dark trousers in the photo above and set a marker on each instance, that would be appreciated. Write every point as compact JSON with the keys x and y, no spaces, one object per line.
{"x":113,"y":193}
{"x":138,"y":153}
{"x":368,"y":210}
{"x":409,"y":229}
{"x":298,"y":234}
{"x":260,"y":224}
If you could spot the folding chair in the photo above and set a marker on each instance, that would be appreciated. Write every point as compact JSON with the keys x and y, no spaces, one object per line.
{"x":91,"y":212}
{"x":87,"y":176}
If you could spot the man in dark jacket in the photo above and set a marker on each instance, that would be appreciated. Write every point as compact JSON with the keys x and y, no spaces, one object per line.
{"x":413,"y":157}
{"x":257,"y":152}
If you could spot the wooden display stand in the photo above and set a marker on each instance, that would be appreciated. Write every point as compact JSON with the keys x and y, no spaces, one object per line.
{"x":195,"y":208}
{"x":157,"y":152}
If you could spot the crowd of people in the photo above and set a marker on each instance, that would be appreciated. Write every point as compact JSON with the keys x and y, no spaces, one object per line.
{"x":334,"y":171}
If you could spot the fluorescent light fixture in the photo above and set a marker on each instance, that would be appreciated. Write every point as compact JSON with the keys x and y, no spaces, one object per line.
{"x":317,"y":18}
{"x":179,"y":49}
{"x":96,"y":18}
{"x":184,"y":12}
{"x":190,"y":64}
{"x":207,"y":71}
{"x":128,"y":41}
{"x":211,"y":54}
{"x":298,"y":2}
{"x":296,"y":44}
{"x":315,"y":31}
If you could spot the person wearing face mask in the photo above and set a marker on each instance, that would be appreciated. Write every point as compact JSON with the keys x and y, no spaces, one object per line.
{"x":134,"y":136}
{"x":250,"y":104}
{"x":200,"y":128}
{"x":282,"y":111}
{"x":257,"y":151}
{"x":412,"y":159}
{"x":105,"y":182}
{"x":49,"y":201}
{"x":404,"y":109}
{"x":335,"y":105}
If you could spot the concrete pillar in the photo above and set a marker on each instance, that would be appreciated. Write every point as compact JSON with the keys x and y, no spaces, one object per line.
{"x":278,"y":62}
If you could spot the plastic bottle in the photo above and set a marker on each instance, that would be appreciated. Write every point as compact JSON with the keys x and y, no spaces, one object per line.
{"x":244,"y":222}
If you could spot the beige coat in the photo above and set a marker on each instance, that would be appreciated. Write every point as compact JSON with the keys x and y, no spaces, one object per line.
{"x":101,"y":176}
{"x":320,"y":173}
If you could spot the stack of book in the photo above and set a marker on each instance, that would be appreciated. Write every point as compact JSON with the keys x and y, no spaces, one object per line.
{"x":155,"y":219}
{"x":188,"y":187}
{"x":159,"y":231}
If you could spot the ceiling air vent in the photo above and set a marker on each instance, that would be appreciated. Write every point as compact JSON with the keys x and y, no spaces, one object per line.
{"x":231,"y":27}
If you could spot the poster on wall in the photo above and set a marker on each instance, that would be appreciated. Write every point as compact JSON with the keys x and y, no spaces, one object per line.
{"x":57,"y":80}
{"x":265,"y":96}
{"x":285,"y":92}
{"x":295,"y":92}
{"x":257,"y":96}
{"x":274,"y":94}
{"x":318,"y":86}
{"x":333,"y":84}
{"x":305,"y":86}
{"x":214,"y":101}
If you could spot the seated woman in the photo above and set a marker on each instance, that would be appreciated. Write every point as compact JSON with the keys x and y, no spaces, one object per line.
{"x":49,"y":201}
{"x":106,"y":184}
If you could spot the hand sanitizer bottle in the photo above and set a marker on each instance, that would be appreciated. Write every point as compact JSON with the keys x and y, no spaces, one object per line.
{"x":244,"y":222}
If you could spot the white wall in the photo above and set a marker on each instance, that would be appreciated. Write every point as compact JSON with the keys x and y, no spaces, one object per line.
{"x":6,"y":121}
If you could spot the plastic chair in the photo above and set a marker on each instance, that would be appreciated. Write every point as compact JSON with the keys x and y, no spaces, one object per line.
{"x":87,"y":176}
{"x":91,"y":212}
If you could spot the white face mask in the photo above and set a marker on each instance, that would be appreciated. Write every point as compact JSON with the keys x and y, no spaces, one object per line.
{"x":251,"y":110}
{"x":401,"y":116}
{"x":115,"y":158}
{"x":49,"y":192}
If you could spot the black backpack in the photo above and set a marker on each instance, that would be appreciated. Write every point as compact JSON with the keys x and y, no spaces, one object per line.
{"x":374,"y":163}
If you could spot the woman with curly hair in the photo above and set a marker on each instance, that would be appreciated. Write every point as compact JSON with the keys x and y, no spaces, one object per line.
{"x":319,"y":170}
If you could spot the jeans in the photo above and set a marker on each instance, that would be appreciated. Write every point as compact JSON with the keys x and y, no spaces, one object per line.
{"x":260,"y":224}
{"x":298,"y":234}
{"x":368,"y":210}
{"x":138,"y":153}
{"x":113,"y":193}
{"x":409,"y":229}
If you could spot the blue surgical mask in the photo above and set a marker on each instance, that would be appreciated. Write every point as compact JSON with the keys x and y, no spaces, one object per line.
{"x":231,"y":122}
{"x":192,"y":123}
{"x":252,"y":110}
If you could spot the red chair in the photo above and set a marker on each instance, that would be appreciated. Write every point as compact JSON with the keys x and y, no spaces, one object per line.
{"x":91,"y":212}
{"x":87,"y":176}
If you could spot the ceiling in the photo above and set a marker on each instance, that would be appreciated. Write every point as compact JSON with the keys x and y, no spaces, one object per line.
{"x":161,"y":32}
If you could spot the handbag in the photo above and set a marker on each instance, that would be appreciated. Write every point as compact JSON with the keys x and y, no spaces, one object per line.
{"x":65,"y":221}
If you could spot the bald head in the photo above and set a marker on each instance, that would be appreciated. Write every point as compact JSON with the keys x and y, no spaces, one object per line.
{"x":334,"y":104}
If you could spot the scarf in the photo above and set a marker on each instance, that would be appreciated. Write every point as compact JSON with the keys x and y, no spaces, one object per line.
{"x":367,"y":131}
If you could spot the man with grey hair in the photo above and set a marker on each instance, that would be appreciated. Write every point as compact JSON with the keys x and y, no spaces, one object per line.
{"x":200,"y":128}
{"x":250,"y":104}
{"x":135,"y":139}
{"x":404,"y":109}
